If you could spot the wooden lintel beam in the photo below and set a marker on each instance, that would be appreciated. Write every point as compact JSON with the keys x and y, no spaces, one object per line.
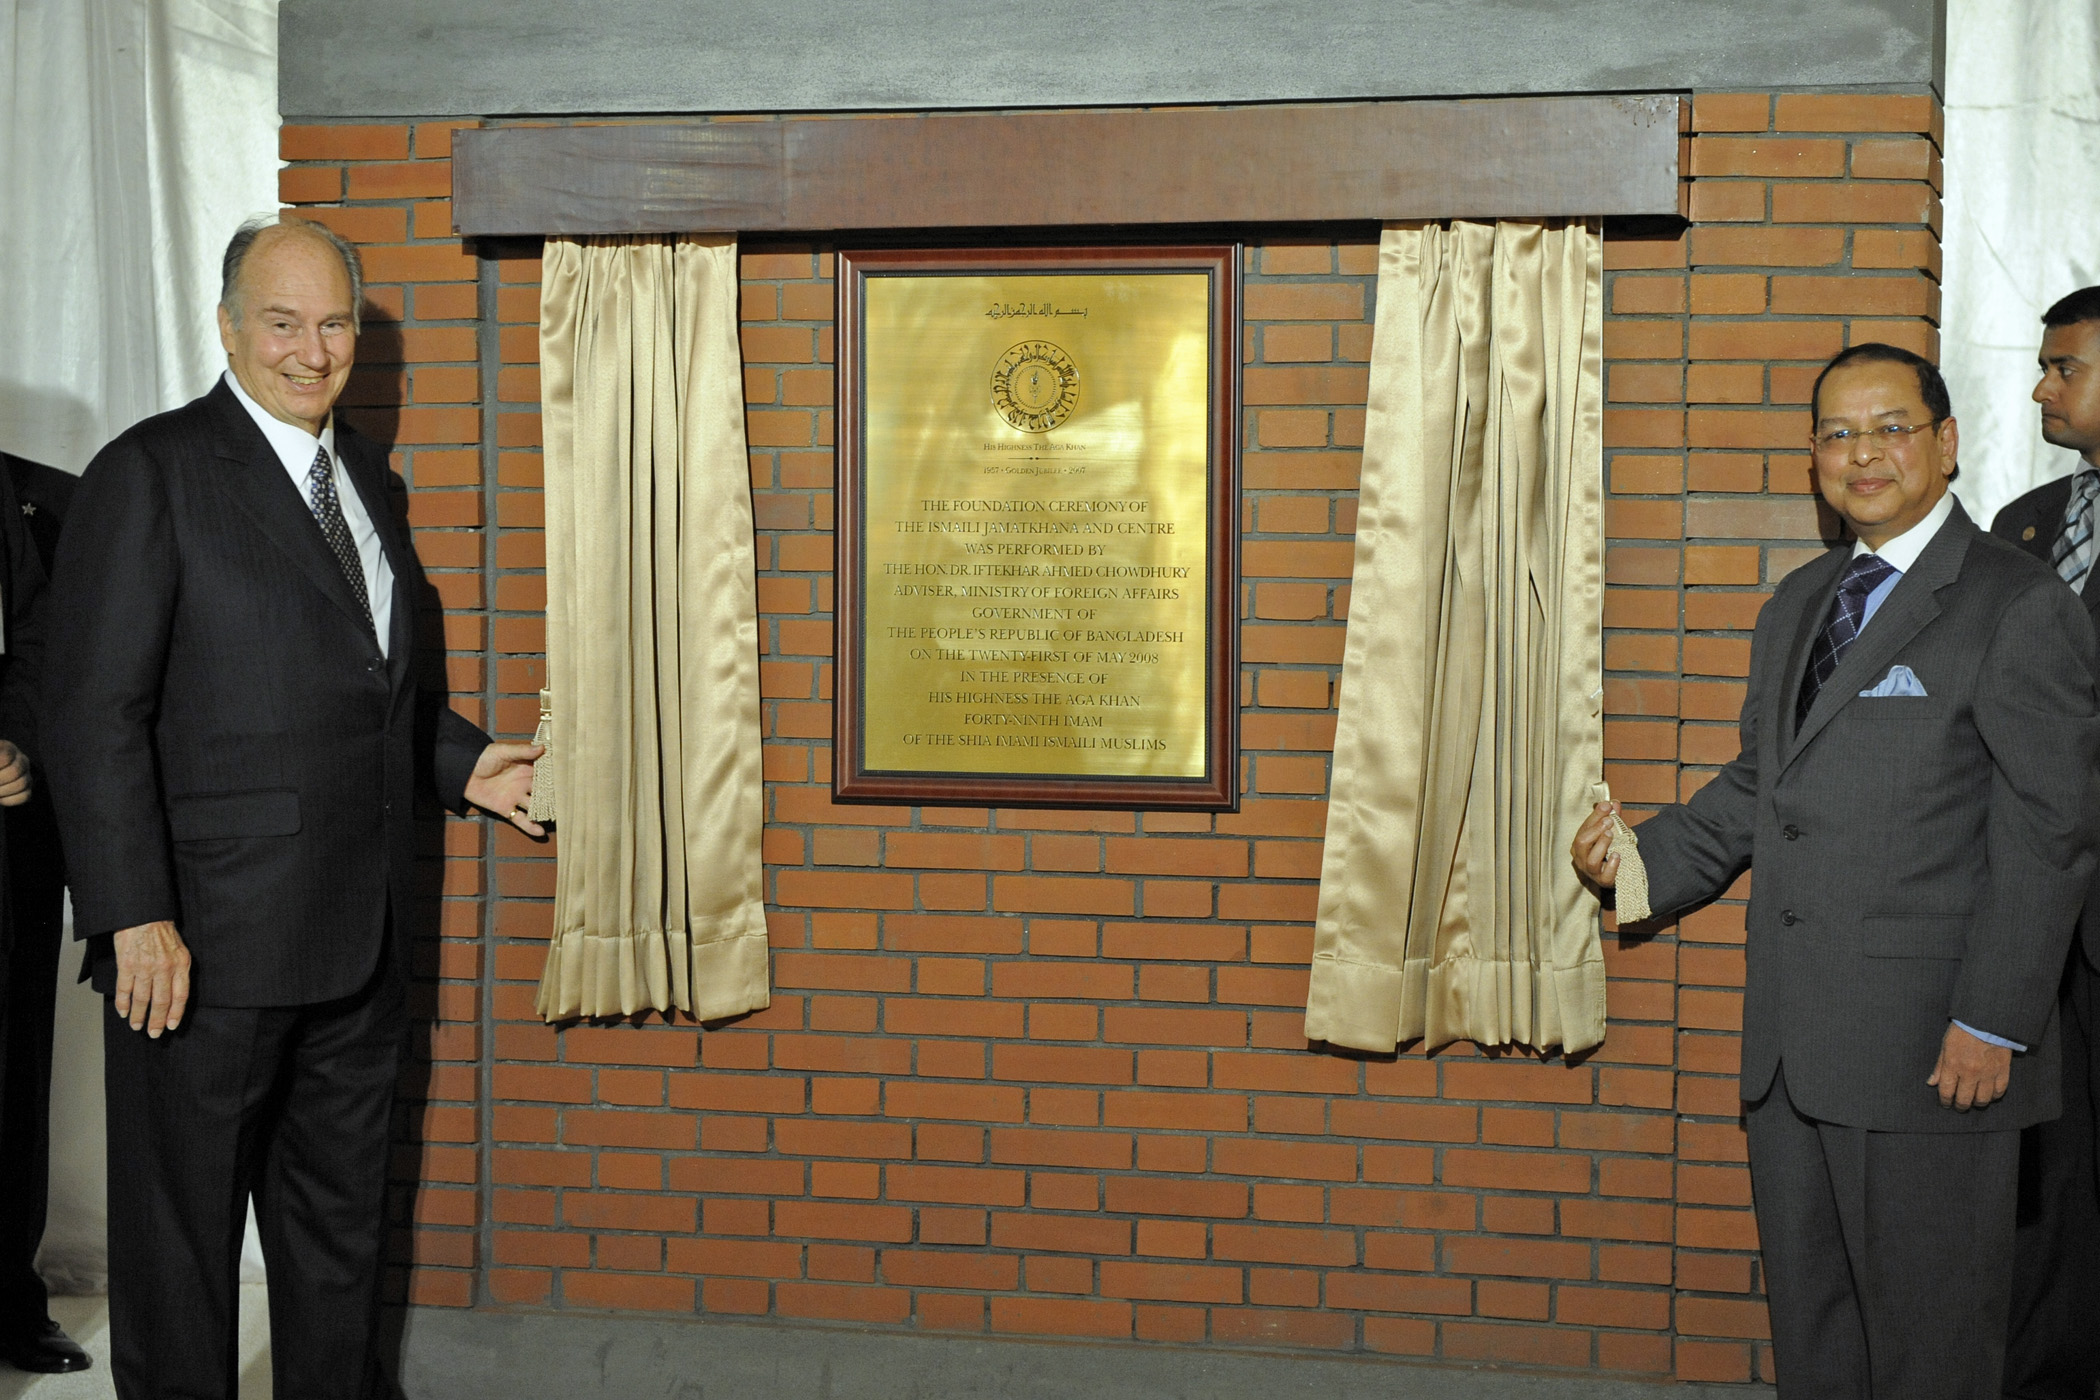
{"x":1503,"y":157}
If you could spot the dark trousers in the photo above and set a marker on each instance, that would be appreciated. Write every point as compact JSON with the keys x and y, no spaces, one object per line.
{"x":2053,"y":1348}
{"x":36,"y":913}
{"x":1888,"y":1256}
{"x":289,"y":1104}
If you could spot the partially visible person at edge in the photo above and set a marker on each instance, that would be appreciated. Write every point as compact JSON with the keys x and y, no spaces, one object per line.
{"x":236,"y":728}
{"x":2053,"y":1348}
{"x":1915,"y":795}
{"x":32,"y":902}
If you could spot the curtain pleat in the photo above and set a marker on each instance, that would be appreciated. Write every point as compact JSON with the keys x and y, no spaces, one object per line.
{"x":1469,"y":731}
{"x":652,"y":632}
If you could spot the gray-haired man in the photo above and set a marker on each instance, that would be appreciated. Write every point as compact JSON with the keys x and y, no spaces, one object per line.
{"x":235,"y":732}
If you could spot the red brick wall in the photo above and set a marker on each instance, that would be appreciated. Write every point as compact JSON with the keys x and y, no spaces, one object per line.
{"x":1034,"y":1072}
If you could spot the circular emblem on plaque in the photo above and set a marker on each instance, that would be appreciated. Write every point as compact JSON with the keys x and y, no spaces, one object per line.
{"x":1035,"y":386}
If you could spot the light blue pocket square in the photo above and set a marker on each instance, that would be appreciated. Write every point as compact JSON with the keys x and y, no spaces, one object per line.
{"x":1899,"y":681}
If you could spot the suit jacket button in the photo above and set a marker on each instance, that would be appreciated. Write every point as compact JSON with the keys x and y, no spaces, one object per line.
{"x":1791,"y":833}
{"x":1786,"y":916}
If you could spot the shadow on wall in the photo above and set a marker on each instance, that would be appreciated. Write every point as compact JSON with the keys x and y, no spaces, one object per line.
{"x":1830,"y":528}
{"x":378,"y":386}
{"x":47,"y":426}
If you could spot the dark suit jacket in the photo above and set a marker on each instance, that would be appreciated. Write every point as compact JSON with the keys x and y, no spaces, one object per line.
{"x":227,"y":747}
{"x":1916,"y":858}
{"x":33,"y":501}
{"x":2032,"y":523}
{"x":22,"y":578}
{"x":42,"y":497}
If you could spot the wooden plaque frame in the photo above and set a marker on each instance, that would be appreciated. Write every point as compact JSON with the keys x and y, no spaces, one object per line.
{"x":1217,"y":788}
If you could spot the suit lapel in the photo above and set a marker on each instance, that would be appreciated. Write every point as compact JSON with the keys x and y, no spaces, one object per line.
{"x":1806,"y":628}
{"x":265,"y":491}
{"x":2045,"y":517}
{"x":368,"y":475}
{"x":1909,"y":607}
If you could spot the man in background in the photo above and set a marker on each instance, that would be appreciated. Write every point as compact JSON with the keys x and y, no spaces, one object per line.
{"x":32,"y":503}
{"x":2053,"y":1350}
{"x":236,"y":733}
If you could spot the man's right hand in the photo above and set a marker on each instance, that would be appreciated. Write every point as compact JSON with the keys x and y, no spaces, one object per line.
{"x":1591,"y":849}
{"x":153,"y":977}
{"x":14,"y":775}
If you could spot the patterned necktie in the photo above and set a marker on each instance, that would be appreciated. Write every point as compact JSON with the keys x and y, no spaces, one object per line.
{"x":328,"y":513}
{"x":1862,"y":576}
{"x":2072,"y":554}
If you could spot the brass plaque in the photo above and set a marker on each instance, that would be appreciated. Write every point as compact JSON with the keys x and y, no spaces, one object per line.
{"x":1036,"y":564}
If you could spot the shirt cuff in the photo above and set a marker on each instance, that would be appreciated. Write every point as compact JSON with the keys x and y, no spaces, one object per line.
{"x":1987,"y":1038}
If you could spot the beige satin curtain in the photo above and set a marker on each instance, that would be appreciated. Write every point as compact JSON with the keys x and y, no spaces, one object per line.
{"x":652,"y":632}
{"x":1469,"y":731}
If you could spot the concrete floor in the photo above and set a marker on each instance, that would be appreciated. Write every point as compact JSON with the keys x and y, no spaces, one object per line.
{"x":86,"y":1320}
{"x":450,"y":1355}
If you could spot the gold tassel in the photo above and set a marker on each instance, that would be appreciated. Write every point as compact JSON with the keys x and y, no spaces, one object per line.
{"x":541,"y":806}
{"x":1632,"y":886}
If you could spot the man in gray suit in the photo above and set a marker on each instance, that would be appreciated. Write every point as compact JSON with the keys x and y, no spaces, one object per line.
{"x":2053,"y":1348}
{"x":1915,"y":792}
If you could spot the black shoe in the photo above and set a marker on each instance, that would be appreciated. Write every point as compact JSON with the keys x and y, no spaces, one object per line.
{"x":47,"y":1350}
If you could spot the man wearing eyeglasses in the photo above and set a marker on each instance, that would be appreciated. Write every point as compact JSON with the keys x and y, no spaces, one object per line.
{"x":1915,"y":795}
{"x":2053,"y":1349}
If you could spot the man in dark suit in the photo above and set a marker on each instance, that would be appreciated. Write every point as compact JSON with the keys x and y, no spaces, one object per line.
{"x":2053,"y":1349}
{"x":235,"y":735}
{"x":1915,"y":795}
{"x":32,"y":503}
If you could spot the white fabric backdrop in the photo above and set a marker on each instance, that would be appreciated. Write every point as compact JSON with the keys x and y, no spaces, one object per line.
{"x":134,"y":135}
{"x":2023,"y":222}
{"x":138,"y":132}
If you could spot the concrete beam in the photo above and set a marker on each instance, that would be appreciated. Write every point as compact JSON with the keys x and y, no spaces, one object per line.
{"x":393,"y":58}
{"x":455,"y":1354}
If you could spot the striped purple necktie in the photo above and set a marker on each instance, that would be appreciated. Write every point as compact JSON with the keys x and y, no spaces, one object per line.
{"x":1862,"y":576}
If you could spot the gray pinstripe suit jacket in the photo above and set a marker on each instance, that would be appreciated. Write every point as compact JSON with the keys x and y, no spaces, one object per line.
{"x":1916,"y":858}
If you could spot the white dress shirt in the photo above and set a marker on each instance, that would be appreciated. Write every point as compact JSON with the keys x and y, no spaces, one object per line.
{"x":295,"y":447}
{"x":1901,"y":554}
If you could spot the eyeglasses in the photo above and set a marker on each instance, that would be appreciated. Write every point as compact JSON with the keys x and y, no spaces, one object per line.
{"x":1887,"y":435}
